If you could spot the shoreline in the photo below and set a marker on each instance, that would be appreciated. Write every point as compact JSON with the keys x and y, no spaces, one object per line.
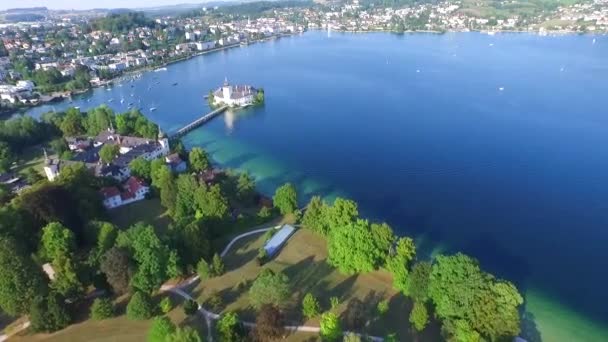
{"x":64,"y":95}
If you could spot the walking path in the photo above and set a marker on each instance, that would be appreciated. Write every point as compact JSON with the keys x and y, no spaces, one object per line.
{"x":211,"y":316}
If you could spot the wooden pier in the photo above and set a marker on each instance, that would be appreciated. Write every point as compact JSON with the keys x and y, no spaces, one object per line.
{"x":199,"y":122}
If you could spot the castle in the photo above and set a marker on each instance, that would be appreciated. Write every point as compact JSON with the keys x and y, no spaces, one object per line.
{"x":234,"y":95}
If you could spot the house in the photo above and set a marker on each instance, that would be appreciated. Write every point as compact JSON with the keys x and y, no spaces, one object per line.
{"x":175,"y":163}
{"x":135,"y":190}
{"x":278,"y":240}
{"x":234,"y":95}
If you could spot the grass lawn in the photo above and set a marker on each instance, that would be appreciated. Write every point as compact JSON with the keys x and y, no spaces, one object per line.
{"x":117,"y":329}
{"x":149,"y":211}
{"x":303,"y":261}
{"x":32,"y":156}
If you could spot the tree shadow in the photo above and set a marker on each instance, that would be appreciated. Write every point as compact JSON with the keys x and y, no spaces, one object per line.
{"x":529,"y":329}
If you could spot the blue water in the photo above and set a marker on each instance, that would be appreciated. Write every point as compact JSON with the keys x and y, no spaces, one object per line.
{"x":416,"y":129}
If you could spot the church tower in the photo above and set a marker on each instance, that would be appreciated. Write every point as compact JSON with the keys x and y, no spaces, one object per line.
{"x":226,"y":89}
{"x":163,"y":141}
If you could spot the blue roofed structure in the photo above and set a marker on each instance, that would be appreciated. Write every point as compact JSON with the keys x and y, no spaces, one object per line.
{"x":278,"y":240}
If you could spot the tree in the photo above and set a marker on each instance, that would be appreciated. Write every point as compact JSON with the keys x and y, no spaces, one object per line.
{"x":211,"y":203}
{"x":57,"y":241}
{"x":140,"y":306}
{"x":382,"y":307}
{"x":47,"y":313}
{"x":193,"y":240}
{"x":32,"y":176}
{"x":156,"y":169}
{"x":190,"y":307}
{"x":20,"y":278}
{"x":185,"y":334}
{"x":418,"y":284}
{"x":419,"y":317}
{"x":269,"y":324}
{"x":166,"y":305}
{"x":174,"y":266}
{"x":269,"y":288}
{"x":218,"y":265}
{"x":203,"y":270}
{"x":67,"y":282}
{"x":6,"y":157}
{"x":199,"y":160}
{"x":72,"y":124}
{"x":116,"y":265}
{"x":150,"y":254}
{"x":460,"y":290}
{"x":229,"y":328}
{"x":168,"y":190}
{"x":185,"y":205}
{"x":59,"y":146}
{"x":108,"y":152}
{"x":102,"y":308}
{"x":352,"y":248}
{"x":459,"y":331}
{"x":310,"y":306}
{"x":331,"y":330}
{"x":245,"y":189}
{"x":341,"y":213}
{"x":398,"y":263}
{"x":315,"y":216}
{"x":286,"y":199}
{"x":161,"y":329}
{"x":141,"y":168}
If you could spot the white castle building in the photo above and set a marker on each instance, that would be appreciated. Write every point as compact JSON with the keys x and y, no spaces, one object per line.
{"x":234,"y":95}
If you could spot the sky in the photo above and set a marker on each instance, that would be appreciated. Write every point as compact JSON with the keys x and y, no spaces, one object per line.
{"x":87,"y":4}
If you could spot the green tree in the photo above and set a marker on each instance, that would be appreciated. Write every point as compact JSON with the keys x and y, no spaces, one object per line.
{"x":419,"y":317}
{"x":20,"y":278}
{"x":269,"y":288}
{"x":67,"y":281}
{"x":342,"y":213}
{"x":108,"y":152}
{"x":174,"y":265}
{"x":190,"y":307}
{"x":72,"y":124}
{"x":57,"y":241}
{"x":140,"y":306}
{"x":418,"y":284}
{"x":218,"y":265}
{"x":6,"y":157}
{"x":102,"y":308}
{"x":459,"y":331}
{"x":32,"y":176}
{"x":382,"y":307}
{"x":157,"y":167}
{"x":397,"y":262}
{"x":268,"y":324}
{"x":229,"y":328}
{"x":199,"y":160}
{"x":185,"y":205}
{"x":116,"y":266}
{"x":203,"y":270}
{"x":168,"y":190}
{"x":211,"y":203}
{"x":150,"y":254}
{"x":161,"y":329}
{"x":185,"y":334}
{"x":353,"y":249}
{"x":352,"y":337}
{"x":315,"y":216}
{"x":460,"y":290}
{"x":331,"y":330}
{"x":310,"y":306}
{"x":166,"y":305}
{"x":286,"y":199}
{"x":48,"y":314}
{"x":245,"y":189}
{"x":141,"y":168}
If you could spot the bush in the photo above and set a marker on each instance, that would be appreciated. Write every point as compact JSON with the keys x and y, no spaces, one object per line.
{"x":269,"y":324}
{"x":392,"y":337}
{"x":166,"y":305}
{"x":140,"y":307}
{"x":334,"y":302}
{"x":419,"y":317}
{"x":161,"y":328}
{"x":310,"y":306}
{"x":264,"y":214}
{"x":352,"y":337}
{"x":48,"y":313}
{"x":331,"y":330}
{"x":102,"y":308}
{"x":214,"y":302}
{"x":203,"y":270}
{"x":190,"y":307}
{"x":382,"y":307}
{"x":218,"y":265}
{"x":262,"y":256}
{"x":269,"y":288}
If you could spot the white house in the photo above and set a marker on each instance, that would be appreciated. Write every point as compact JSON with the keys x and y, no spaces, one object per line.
{"x":135,"y":190}
{"x":234,"y":95}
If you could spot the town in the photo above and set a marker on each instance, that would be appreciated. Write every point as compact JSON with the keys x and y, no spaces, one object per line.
{"x":64,"y":53}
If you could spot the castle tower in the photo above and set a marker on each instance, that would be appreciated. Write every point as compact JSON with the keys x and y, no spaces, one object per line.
{"x":226,"y":89}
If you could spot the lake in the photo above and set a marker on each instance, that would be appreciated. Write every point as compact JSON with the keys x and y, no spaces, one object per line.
{"x":493,"y":145}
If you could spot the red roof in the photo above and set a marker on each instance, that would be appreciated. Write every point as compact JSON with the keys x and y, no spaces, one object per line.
{"x":133,"y":184}
{"x":109,"y":192}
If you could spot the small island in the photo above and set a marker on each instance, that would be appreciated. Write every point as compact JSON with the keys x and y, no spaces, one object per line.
{"x":236,"y":95}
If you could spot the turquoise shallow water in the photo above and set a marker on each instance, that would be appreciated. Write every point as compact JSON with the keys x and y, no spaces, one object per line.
{"x":417,"y":129}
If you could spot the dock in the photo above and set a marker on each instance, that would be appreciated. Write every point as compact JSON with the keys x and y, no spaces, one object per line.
{"x":199,"y":122}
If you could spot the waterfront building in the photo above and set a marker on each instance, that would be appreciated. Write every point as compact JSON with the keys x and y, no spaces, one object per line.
{"x":234,"y":95}
{"x":135,"y":190}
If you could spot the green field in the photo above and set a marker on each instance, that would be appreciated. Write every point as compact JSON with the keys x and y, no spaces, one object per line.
{"x":118,"y":329}
{"x":303,"y":261}
{"x":149,"y":211}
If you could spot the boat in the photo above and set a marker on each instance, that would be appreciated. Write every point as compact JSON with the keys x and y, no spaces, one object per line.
{"x":108,"y":89}
{"x":77,"y":107}
{"x":501,"y":88}
{"x":160,"y":69}
{"x":152,"y":109}
{"x":110,"y":100}
{"x":175,"y":83}
{"x":122,"y":100}
{"x":130,"y":104}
